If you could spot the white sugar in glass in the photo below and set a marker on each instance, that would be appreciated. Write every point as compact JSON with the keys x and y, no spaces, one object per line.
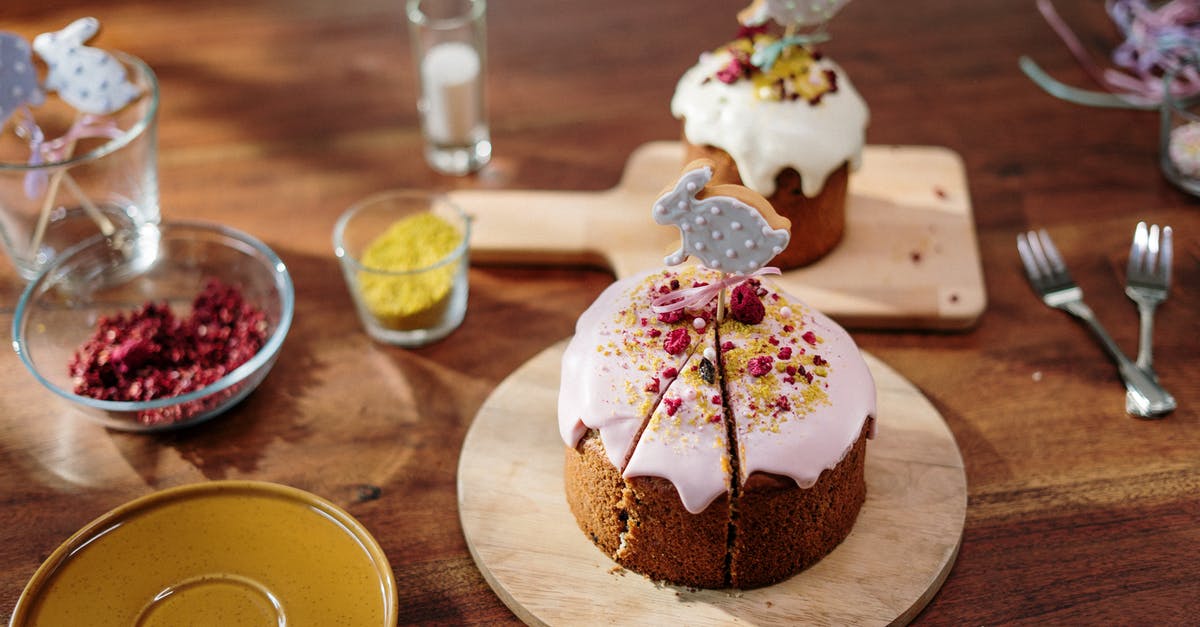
{"x":450,"y":82}
{"x":448,"y":39}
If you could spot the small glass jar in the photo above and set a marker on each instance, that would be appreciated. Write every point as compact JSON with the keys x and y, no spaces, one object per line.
{"x":1179,"y":138}
{"x":404,"y":254}
{"x":103,"y":179}
{"x":449,"y":42}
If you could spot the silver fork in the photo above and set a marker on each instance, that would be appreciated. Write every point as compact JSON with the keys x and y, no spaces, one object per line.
{"x":1049,"y":276}
{"x":1147,"y":279}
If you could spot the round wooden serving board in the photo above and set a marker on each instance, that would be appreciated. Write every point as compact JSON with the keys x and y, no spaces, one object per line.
{"x":526,"y":542}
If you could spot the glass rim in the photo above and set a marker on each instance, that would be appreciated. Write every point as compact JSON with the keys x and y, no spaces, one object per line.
{"x":417,"y":17}
{"x":116,"y":143}
{"x":339,"y":232}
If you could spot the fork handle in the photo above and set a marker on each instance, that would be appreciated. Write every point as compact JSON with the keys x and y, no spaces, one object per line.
{"x":1145,"y":354}
{"x":1147,"y":398}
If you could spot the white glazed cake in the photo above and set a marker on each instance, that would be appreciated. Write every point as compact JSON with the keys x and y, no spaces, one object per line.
{"x":791,"y":131}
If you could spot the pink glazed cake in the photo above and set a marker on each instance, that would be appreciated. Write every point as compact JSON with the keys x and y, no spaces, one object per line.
{"x":713,"y":455}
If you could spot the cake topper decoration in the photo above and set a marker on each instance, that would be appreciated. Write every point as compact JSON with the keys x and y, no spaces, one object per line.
{"x":90,"y":80}
{"x":18,"y":80}
{"x":786,"y":13}
{"x":1161,"y":39}
{"x":729,"y":228}
{"x":87,"y":78}
{"x":793,"y":15}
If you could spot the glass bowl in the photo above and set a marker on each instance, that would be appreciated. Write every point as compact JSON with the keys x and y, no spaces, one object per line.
{"x":59,"y":312}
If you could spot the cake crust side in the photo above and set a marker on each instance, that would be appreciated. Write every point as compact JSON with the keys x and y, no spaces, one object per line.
{"x":641,"y":523}
{"x":781,"y":529}
{"x":666,"y":542}
{"x":595,"y":492}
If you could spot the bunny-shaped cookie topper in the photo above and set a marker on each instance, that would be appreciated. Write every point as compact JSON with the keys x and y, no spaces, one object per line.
{"x":730,"y":228}
{"x":798,"y":13}
{"x":89,"y":79}
{"x":18,"y":79}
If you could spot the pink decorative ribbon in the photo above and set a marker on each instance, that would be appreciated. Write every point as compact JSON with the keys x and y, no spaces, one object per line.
{"x":1158,"y":41}
{"x":698,"y":296}
{"x":42,"y":151}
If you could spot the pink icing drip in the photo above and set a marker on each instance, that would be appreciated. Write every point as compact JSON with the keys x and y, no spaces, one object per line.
{"x":609,"y":363}
{"x":687,"y":447}
{"x":816,"y":433}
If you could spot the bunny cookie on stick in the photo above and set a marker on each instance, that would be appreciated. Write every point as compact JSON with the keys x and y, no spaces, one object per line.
{"x":92,"y":81}
{"x":86,"y":78}
{"x":729,"y":228}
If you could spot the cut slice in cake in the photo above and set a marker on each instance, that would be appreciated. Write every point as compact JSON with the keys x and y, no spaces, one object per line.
{"x":622,"y":358}
{"x":682,"y":456}
{"x":800,"y":395}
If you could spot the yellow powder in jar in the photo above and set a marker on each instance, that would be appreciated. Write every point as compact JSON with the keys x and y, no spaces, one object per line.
{"x":417,"y":300}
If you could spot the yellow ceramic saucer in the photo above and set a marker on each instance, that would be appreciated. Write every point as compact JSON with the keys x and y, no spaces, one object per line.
{"x":218,"y":553}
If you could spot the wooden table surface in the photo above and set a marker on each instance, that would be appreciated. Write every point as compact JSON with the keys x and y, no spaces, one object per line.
{"x":278,"y":114}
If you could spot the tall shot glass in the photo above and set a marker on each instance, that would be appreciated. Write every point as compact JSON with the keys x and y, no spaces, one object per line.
{"x":449,"y":50}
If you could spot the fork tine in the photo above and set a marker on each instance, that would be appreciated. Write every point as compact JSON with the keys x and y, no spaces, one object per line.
{"x":1038,"y":256}
{"x":1137,"y":250}
{"x":1031,"y":268}
{"x":1166,"y":254}
{"x":1151,"y":250}
{"x":1057,"y":266}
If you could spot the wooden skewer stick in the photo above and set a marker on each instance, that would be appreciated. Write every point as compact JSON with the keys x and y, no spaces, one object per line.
{"x":105,"y":225}
{"x":102,"y":221}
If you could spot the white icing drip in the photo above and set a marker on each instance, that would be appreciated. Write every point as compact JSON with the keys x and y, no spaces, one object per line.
{"x":764,"y":137}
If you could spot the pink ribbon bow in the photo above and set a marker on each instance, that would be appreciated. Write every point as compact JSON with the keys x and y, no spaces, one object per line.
{"x":42,"y":151}
{"x":1159,"y":39}
{"x":698,"y":296}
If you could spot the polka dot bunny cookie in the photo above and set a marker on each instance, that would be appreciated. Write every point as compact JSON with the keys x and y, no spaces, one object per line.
{"x":729,"y":228}
{"x":790,"y":12}
{"x":89,"y":79}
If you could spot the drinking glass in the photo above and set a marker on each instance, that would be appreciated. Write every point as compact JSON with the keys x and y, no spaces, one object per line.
{"x":404,"y":254}
{"x":101,"y":179}
{"x":1179,"y":138}
{"x":449,"y":49}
